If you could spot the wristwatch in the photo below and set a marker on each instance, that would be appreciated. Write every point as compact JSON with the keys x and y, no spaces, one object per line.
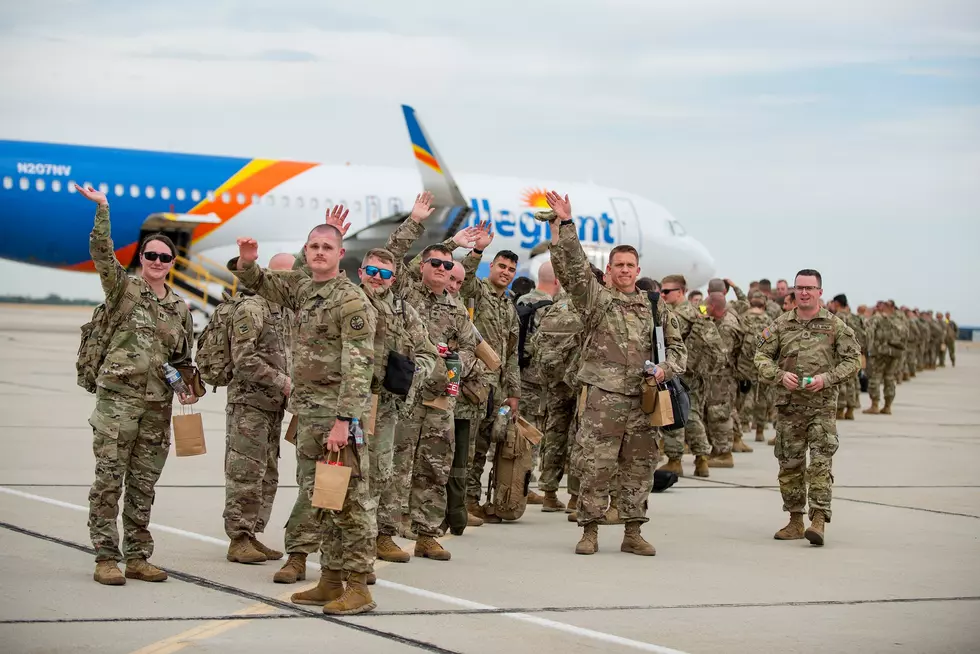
{"x":343,"y":418}
{"x":566,"y":222}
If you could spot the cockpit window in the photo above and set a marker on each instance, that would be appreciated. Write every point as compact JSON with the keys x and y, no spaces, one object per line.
{"x":676,"y":228}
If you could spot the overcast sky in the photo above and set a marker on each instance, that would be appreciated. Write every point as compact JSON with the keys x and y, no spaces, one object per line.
{"x":838,"y":135}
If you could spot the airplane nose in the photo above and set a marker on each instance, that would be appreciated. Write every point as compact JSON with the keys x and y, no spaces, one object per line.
{"x":702,"y":264}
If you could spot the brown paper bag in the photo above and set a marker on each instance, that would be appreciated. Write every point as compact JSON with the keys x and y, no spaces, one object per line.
{"x":374,"y":415}
{"x":528,"y":431}
{"x":291,"y":431}
{"x":330,"y":483}
{"x":648,"y":395}
{"x":441,"y":402}
{"x":189,"y":434}
{"x":663,"y":410}
{"x":486,"y":354}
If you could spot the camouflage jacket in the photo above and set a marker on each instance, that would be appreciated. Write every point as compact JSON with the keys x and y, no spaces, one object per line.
{"x":444,"y":318}
{"x":823,"y":345}
{"x":938,"y":332}
{"x":333,"y":346}
{"x":705,"y":350}
{"x":772,"y":309}
{"x":401,"y":330}
{"x":157,"y":331}
{"x":260,"y":353}
{"x":496,"y":318}
{"x":554,"y":342}
{"x":915,"y":334}
{"x":754,"y":321}
{"x":888,"y":335}
{"x":741,"y":303}
{"x":952,"y":331}
{"x":731,"y":338}
{"x":618,"y":327}
{"x":857,"y":326}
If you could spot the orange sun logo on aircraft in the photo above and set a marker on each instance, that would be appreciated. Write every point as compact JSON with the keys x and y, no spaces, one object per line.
{"x":535,"y":198}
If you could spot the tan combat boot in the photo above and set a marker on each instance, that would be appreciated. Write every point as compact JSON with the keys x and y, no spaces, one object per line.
{"x":849,"y":414}
{"x":534,"y":498}
{"x":738,"y":445}
{"x":634,"y":543}
{"x":551,"y":502}
{"x":793,"y":530}
{"x":294,"y":570}
{"x":873,"y":408}
{"x":478,"y":511}
{"x":371,"y":579}
{"x":572,"y":503}
{"x":329,"y":588}
{"x":721,"y":461}
{"x":840,"y":413}
{"x":611,"y":516}
{"x":673,"y":465}
{"x":814,"y":533}
{"x":887,"y":409}
{"x":108,"y":574}
{"x":389,"y":551}
{"x":701,"y":466}
{"x":241,"y":550}
{"x":473,"y":521}
{"x":429,"y":548}
{"x":760,"y":434}
{"x":144,"y":571}
{"x":356,"y":599}
{"x":589,"y":543}
{"x":270,"y":554}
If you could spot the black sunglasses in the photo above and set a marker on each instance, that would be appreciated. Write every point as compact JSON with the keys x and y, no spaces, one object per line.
{"x":435,"y":263}
{"x":153,"y":256}
{"x":667,"y":291}
{"x":372,"y":271}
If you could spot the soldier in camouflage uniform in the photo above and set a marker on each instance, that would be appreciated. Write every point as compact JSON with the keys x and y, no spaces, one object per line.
{"x":911,"y":353}
{"x":425,"y":439}
{"x":773,"y":309}
{"x":808,"y":342}
{"x":758,"y":400}
{"x":722,"y":386}
{"x":952,"y":333}
{"x":886,"y":342}
{"x":131,"y":420}
{"x":849,"y":395}
{"x":704,"y":355}
{"x":616,"y":438}
{"x":333,"y":364}
{"x":257,"y":396}
{"x":939,"y":332}
{"x":546,"y":400}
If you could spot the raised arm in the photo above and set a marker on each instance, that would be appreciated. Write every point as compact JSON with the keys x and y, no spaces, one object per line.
{"x":473,"y":288}
{"x":281,"y":287}
{"x":572,"y":266}
{"x":111,"y":273}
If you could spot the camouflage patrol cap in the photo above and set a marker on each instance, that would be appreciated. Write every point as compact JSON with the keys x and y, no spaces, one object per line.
{"x":757,"y":294}
{"x":545,"y":216}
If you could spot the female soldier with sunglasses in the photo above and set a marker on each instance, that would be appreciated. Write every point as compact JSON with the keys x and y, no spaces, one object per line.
{"x":131,"y":420}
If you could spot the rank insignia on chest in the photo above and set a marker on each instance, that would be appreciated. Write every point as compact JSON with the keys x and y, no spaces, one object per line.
{"x":243,"y":328}
{"x":357,"y":323}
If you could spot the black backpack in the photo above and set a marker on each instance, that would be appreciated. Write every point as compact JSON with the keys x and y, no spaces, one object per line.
{"x":525,"y":319}
{"x":680,"y":398}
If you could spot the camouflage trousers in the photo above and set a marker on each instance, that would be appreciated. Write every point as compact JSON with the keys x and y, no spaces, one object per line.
{"x":942,"y":355}
{"x":131,"y":441}
{"x":550,"y":410}
{"x":951,"y":347}
{"x":720,"y":396}
{"x":798,"y":430}
{"x":346,"y":538}
{"x":424,"y":449}
{"x":618,"y":446}
{"x":757,"y":407}
{"x":693,"y":432}
{"x":884,"y":368}
{"x":912,"y":360}
{"x":574,"y":452}
{"x":251,"y":468}
{"x":381,"y":449}
{"x":849,"y":394}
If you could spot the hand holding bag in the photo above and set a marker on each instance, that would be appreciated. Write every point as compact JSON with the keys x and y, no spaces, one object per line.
{"x":330,"y":483}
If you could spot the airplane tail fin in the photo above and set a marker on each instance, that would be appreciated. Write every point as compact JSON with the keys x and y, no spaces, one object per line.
{"x":436,"y":177}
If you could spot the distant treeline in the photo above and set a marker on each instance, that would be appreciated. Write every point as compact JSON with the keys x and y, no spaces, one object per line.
{"x":51,"y":299}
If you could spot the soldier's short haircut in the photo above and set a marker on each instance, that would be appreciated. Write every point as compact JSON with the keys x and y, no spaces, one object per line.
{"x":690,"y":296}
{"x":436,"y":247}
{"x":765,"y":284}
{"x":675,"y":279}
{"x":810,"y":272}
{"x":783,"y":281}
{"x":624,"y":248}
{"x":326,"y":230}
{"x":163,"y":238}
{"x":380,"y":254}
{"x":599,"y":275}
{"x":841,"y":299}
{"x":521,"y":286}
{"x":507,"y":254}
{"x":646,"y":284}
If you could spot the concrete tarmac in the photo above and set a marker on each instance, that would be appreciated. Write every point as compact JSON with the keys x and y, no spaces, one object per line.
{"x":900,"y":571}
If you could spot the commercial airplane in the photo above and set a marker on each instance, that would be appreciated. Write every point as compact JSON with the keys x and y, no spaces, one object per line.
{"x":205,"y":202}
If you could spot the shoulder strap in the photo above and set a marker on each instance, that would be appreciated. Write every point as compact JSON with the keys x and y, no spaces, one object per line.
{"x":659,"y":351}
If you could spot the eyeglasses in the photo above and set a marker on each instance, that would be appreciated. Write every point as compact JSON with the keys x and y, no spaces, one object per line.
{"x":808,"y":289}
{"x":435,"y":263}
{"x":153,"y":256}
{"x":373,"y":271}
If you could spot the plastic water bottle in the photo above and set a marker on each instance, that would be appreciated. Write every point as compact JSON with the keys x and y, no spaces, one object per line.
{"x":175,"y":380}
{"x":504,"y":410}
{"x":356,"y":431}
